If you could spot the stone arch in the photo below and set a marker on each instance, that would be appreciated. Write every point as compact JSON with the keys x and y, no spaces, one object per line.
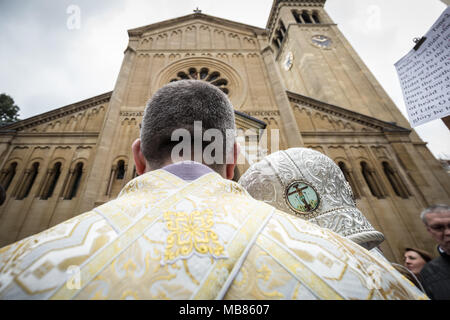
{"x":219,"y":39}
{"x":125,"y":122}
{"x":117,"y":176}
{"x":237,"y":87}
{"x":302,"y":115}
{"x":174,"y":56}
{"x":371,"y":177}
{"x":161,"y":41}
{"x":175,"y":39}
{"x":248,"y":43}
{"x":57,"y":126}
{"x":234,"y":41}
{"x":347,"y":170}
{"x":9,"y":173}
{"x":348,"y":126}
{"x":395,"y":180}
{"x":223,"y":56}
{"x":204,"y":41}
{"x":81,"y":117}
{"x":29,"y":179}
{"x":53,"y":174}
{"x":190,"y":37}
{"x":49,"y":127}
{"x":315,"y":17}
{"x":146,"y":44}
{"x":74,"y":179}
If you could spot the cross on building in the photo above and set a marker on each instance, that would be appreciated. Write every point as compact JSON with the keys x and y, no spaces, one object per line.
{"x":197,"y":10}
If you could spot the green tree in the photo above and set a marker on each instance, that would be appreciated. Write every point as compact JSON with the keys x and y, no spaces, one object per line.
{"x":9,"y":112}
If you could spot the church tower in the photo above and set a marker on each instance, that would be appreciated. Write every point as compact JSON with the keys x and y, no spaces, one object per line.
{"x":390,"y":169}
{"x":317,"y":61}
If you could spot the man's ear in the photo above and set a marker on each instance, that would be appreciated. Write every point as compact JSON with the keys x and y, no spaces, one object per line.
{"x":139,"y":159}
{"x":230,"y":167}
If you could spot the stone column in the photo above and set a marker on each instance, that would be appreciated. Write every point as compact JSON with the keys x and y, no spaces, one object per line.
{"x":3,"y":175}
{"x":279,"y":42}
{"x":111,"y":180}
{"x":301,"y":17}
{"x":97,"y":178}
{"x":21,"y":190}
{"x":69,"y":184}
{"x":289,"y":123}
{"x":351,"y":180}
{"x":46,"y":185}
{"x":401,"y":184}
{"x":376,"y":183}
{"x":282,"y":31}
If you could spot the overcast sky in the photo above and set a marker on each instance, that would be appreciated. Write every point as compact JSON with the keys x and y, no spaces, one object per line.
{"x":47,"y":62}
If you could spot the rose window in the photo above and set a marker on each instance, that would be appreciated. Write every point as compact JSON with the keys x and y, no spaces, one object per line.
{"x":204,"y":75}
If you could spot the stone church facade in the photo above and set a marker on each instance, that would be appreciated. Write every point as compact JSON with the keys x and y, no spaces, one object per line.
{"x":298,"y":75}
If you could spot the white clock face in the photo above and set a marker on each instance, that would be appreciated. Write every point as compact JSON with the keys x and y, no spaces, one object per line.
{"x":288,"y":61}
{"x":322,"y":41}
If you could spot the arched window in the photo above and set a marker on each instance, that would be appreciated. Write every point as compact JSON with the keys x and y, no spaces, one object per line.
{"x":306,"y":17}
{"x":282,"y":28}
{"x":276,"y":44}
{"x":52,"y":179}
{"x":280,"y":36}
{"x":315,"y":17}
{"x":28,"y":181}
{"x":297,"y":16}
{"x":371,"y":180}
{"x":204,"y":73}
{"x":395,"y":181}
{"x":215,"y":78}
{"x":120,"y":170}
{"x":349,"y":177}
{"x":74,"y":182}
{"x":8,"y":175}
{"x":116,"y":178}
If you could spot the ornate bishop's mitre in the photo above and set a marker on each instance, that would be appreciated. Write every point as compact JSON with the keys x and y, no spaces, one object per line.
{"x":309,"y":185}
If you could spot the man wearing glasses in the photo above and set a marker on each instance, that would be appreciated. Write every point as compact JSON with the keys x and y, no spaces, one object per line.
{"x":436,"y":274}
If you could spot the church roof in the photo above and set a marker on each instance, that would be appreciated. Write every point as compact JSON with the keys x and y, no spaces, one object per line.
{"x":57,"y":113}
{"x":340,"y":112}
{"x":200,"y":16}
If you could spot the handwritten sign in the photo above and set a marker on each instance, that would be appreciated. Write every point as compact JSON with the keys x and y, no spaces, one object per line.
{"x":425,"y":75}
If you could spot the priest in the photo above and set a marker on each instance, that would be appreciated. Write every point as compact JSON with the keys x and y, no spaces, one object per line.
{"x":183,"y":230}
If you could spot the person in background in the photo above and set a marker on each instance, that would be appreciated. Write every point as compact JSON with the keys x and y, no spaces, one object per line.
{"x":416,"y":259}
{"x":436,"y":274}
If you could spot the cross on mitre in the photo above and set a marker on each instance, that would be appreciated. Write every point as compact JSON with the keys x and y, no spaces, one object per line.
{"x":302,"y":196}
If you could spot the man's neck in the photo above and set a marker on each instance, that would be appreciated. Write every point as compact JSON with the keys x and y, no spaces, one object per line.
{"x":188,"y":170}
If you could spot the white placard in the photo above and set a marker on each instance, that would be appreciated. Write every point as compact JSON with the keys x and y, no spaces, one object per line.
{"x":425,"y":75}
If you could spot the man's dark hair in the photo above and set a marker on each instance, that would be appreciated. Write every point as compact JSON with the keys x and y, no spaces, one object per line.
{"x":177,"y":106}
